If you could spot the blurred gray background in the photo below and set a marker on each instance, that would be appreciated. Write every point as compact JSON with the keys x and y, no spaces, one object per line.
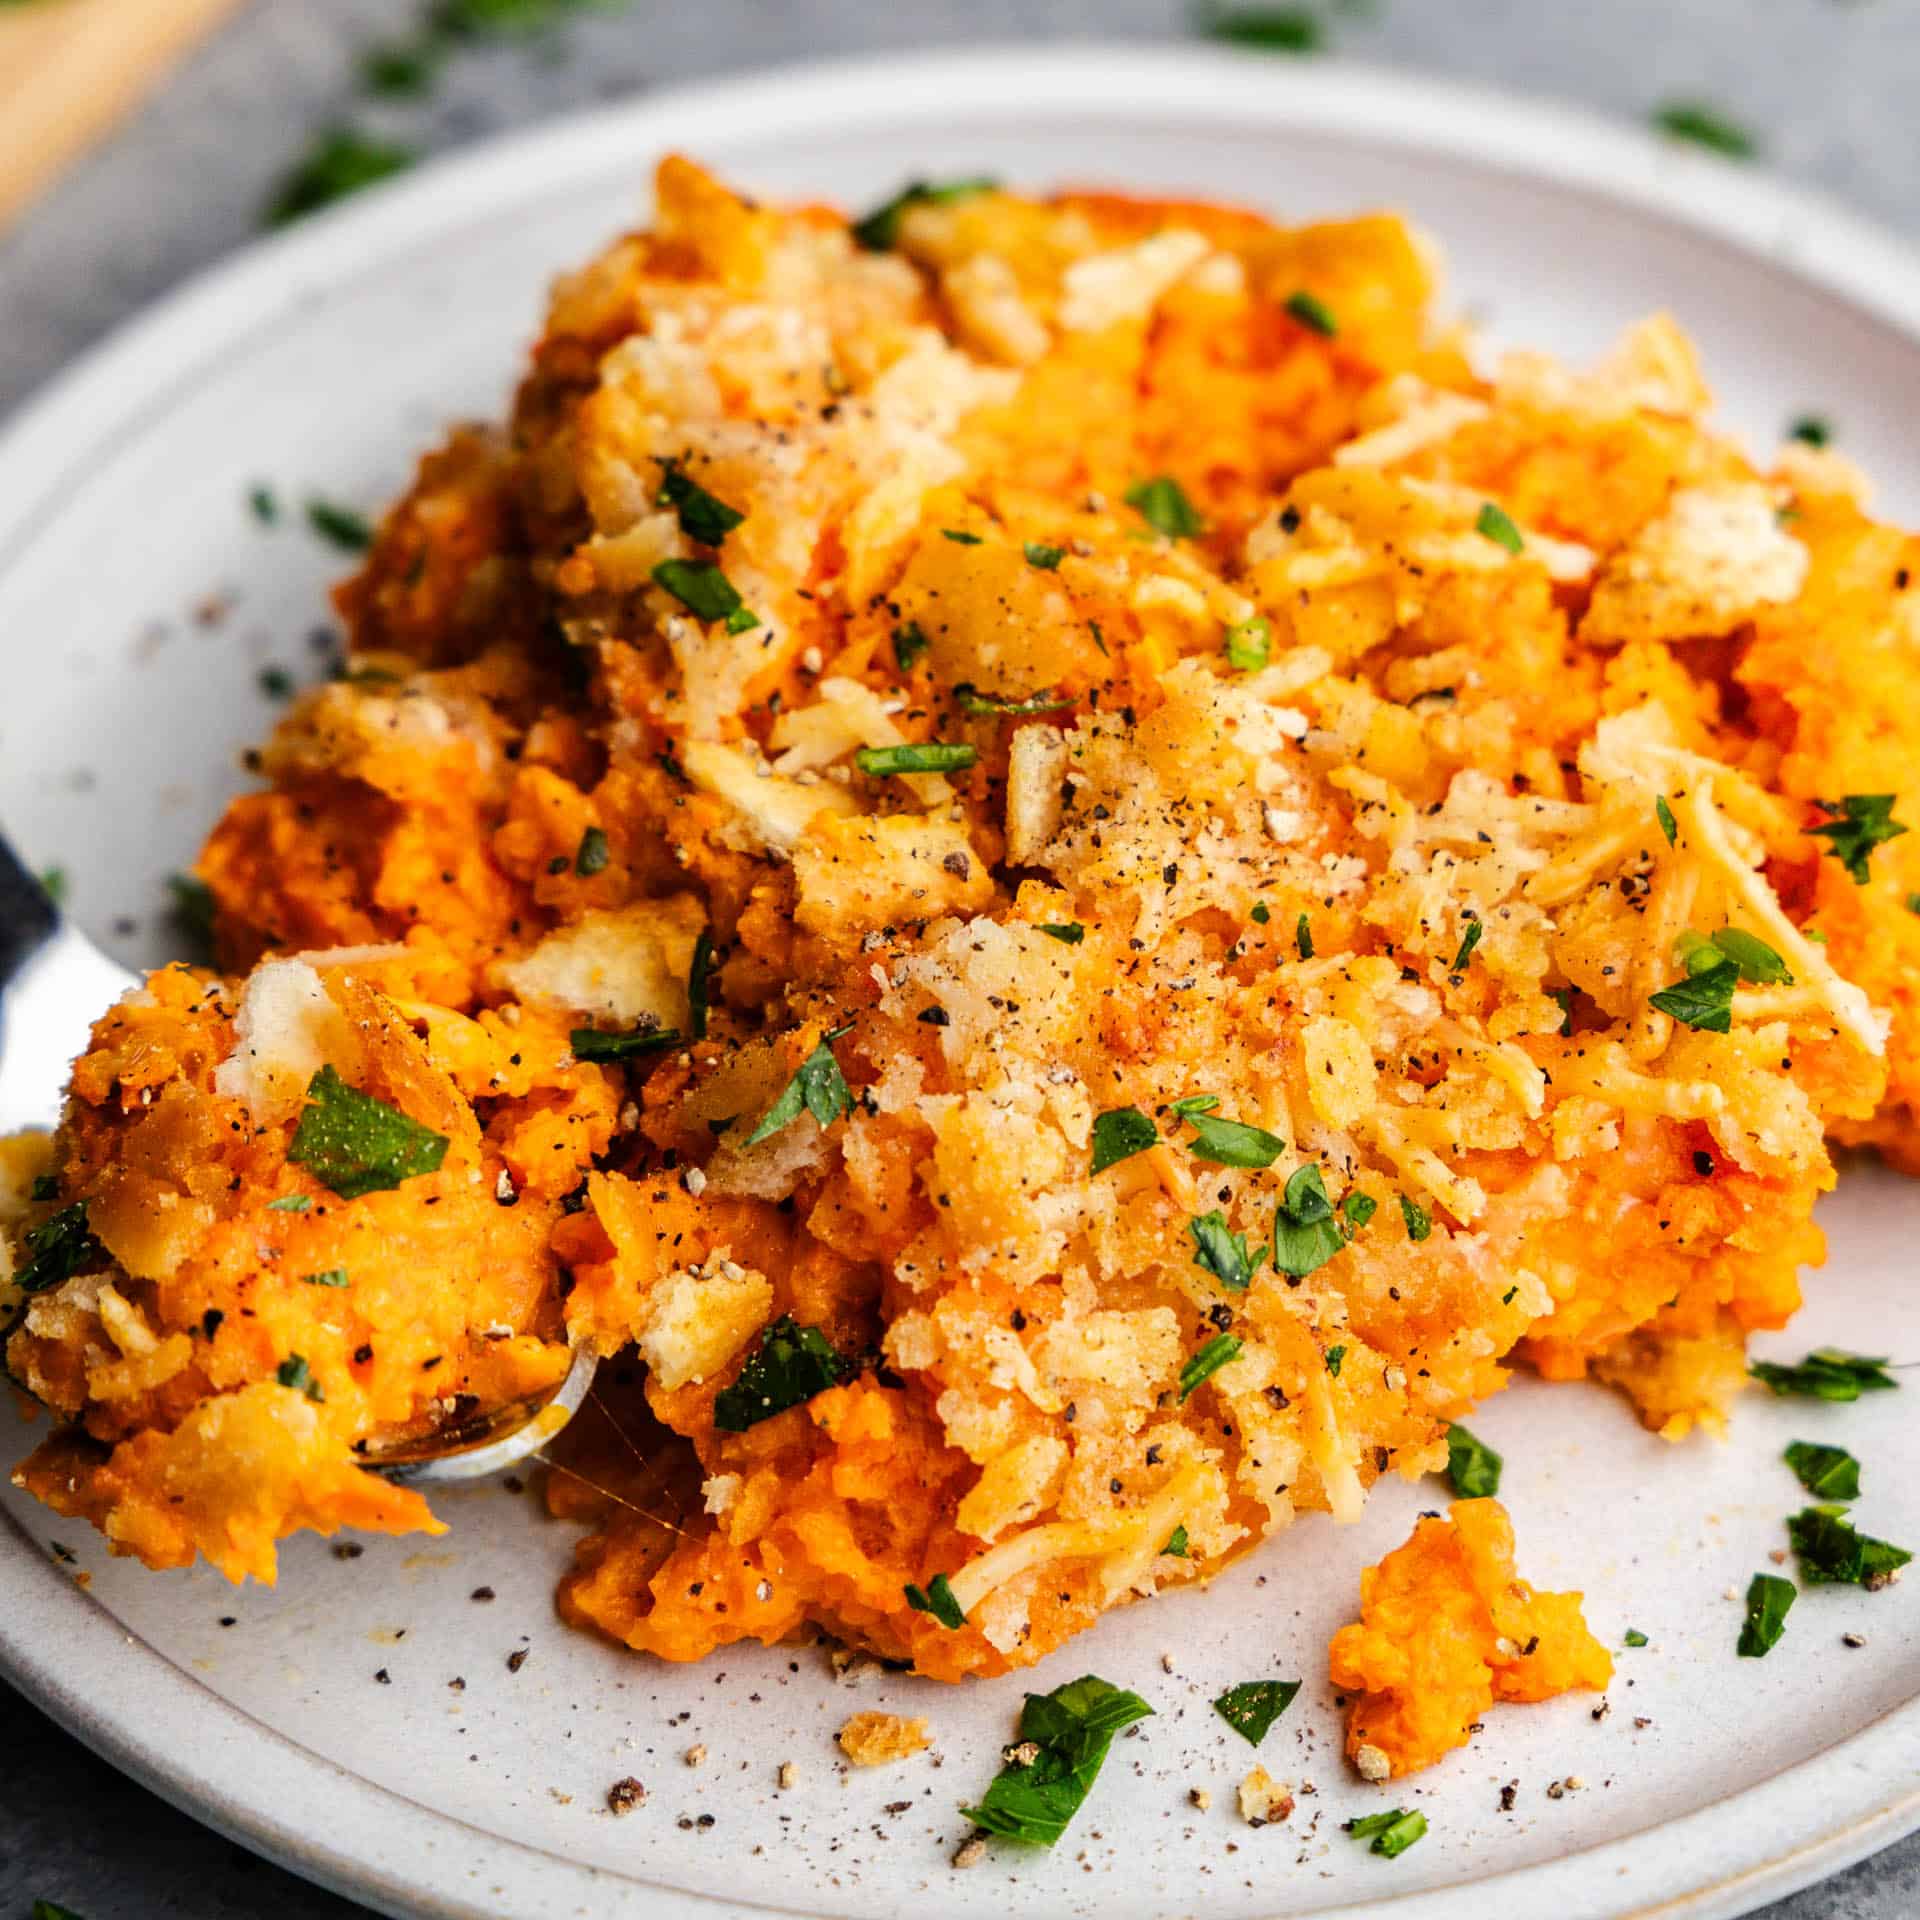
{"x":1823,"y":89}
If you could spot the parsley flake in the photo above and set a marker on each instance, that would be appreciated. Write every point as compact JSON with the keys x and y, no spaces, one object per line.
{"x":1758,"y":963}
{"x":1162,"y":504}
{"x":1634,"y":1637}
{"x":1832,"y":1553}
{"x":591,"y":1043}
{"x":294,"y":1372}
{"x":1303,"y":937}
{"x":333,"y":1277}
{"x":263,"y":504}
{"x":1810,"y":430}
{"x":791,"y":1364}
{"x":700,"y":972}
{"x":1223,"y":1253}
{"x":290,"y":1203}
{"x":1357,"y":1209}
{"x":959,"y":538}
{"x":593,"y":855}
{"x":973,"y":701}
{"x":909,"y":643}
{"x":1475,"y":928}
{"x":1704,"y":1000}
{"x":58,"y":1248}
{"x":819,"y":1087}
{"x":1120,"y":1133}
{"x":1267,"y":29}
{"x":1069,"y":933}
{"x":1496,"y":525}
{"x":1664,"y":814}
{"x":1333,"y":1358}
{"x":1069,"y":1731}
{"x":355,"y":1144}
{"x":880,"y":229}
{"x":1040,"y":555}
{"x":1705,"y":126}
{"x":1419,"y":1220}
{"x":706,"y":593}
{"x":1862,"y":822}
{"x":1227,"y":1143}
{"x":1828,"y":1473}
{"x":1249,"y":644}
{"x":1259,"y":913}
{"x":1305,"y":1234}
{"x":703,"y":516}
{"x":1826,"y":1374}
{"x":918,"y":756}
{"x":1391,"y":1833}
{"x":1769,"y":1597}
{"x":1208,"y":1361}
{"x":1473,"y":1468}
{"x":1176,"y":1547}
{"x":938,"y":1600}
{"x":1252,"y":1707}
{"x":1313,"y":313}
{"x":341,"y":161}
{"x":339,"y":526}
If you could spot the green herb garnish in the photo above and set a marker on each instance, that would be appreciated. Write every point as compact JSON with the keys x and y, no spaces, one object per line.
{"x":1313,"y":313}
{"x":1391,"y":1833}
{"x":1756,"y":960}
{"x":1223,"y":1253}
{"x":1176,"y":1545}
{"x":355,"y":1144}
{"x":1039,"y":554}
{"x":53,"y":883}
{"x":1635,"y":1638}
{"x":791,"y":1364}
{"x":1226,"y":1143}
{"x":1305,"y":1234}
{"x":1705,"y":126}
{"x":1252,"y":1707}
{"x":1704,"y":1000}
{"x":706,"y":593}
{"x":1357,"y":1209}
{"x":1827,"y":1374}
{"x":1664,"y":814}
{"x":1769,"y":1598}
{"x":1259,"y":913}
{"x":1333,"y":1357}
{"x":1475,"y":928}
{"x":880,"y":229}
{"x":58,"y":1248}
{"x":1303,"y":937}
{"x":1120,"y":1133}
{"x":1828,"y":1473}
{"x":973,"y":701}
{"x":290,"y":1203}
{"x":263,"y":505}
{"x":1419,"y":1220}
{"x":1832,"y":1553}
{"x":1863,"y":821}
{"x":592,"y":1043}
{"x":333,"y":1277}
{"x":959,"y":537}
{"x":1068,"y":932}
{"x":1208,"y":1361}
{"x":819,"y":1087}
{"x":1267,"y":29}
{"x":703,"y":516}
{"x":1070,"y":1730}
{"x":1249,"y":644}
{"x":593,"y":854}
{"x":340,"y":162}
{"x":1473,"y":1467}
{"x":937,"y":1600}
{"x":1810,"y":430}
{"x":1496,"y":525}
{"x":909,"y":643}
{"x":700,"y":972}
{"x":339,"y":526}
{"x":294,"y":1372}
{"x":1162,"y":504}
{"x":918,"y":756}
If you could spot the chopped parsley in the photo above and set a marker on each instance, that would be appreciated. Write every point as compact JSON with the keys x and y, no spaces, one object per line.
{"x":1769,"y":1597}
{"x":1176,"y":1546}
{"x":400,"y":70}
{"x":1832,"y":1553}
{"x":333,"y":1277}
{"x":1305,"y":1234}
{"x":1252,"y":1707}
{"x":909,"y":643}
{"x":1313,"y":313}
{"x":1635,"y":1638}
{"x":1704,"y":1000}
{"x":1705,"y":126}
{"x":880,"y":229}
{"x":593,"y":854}
{"x":1475,"y":928}
{"x":1068,"y":1732}
{"x":263,"y":505}
{"x":1811,"y":430}
{"x":791,"y":1364}
{"x":293,"y":1372}
{"x":1249,"y":644}
{"x":1758,"y":963}
{"x":1208,"y":1361}
{"x":706,"y":593}
{"x":973,"y":701}
{"x":939,"y":1601}
{"x":918,"y":756}
{"x":703,"y":516}
{"x":959,"y":538}
{"x":1357,"y":1209}
{"x":1826,"y":1374}
{"x":1496,"y":525}
{"x":1391,"y":1833}
{"x":290,"y":1203}
{"x":819,"y":1087}
{"x":53,"y":883}
{"x":1226,"y":1143}
{"x":1419,"y":1220}
{"x":1828,"y":1473}
{"x":1333,"y":1358}
{"x":1664,"y":814}
{"x":339,"y":526}
{"x":275,"y":682}
{"x":46,"y":1186}
{"x":1473,"y":1468}
{"x":1218,"y":1250}
{"x":1303,"y":937}
{"x":52,"y":1910}
{"x":1862,"y":822}
{"x":1039,"y":554}
{"x":1162,"y":504}
{"x":341,"y":161}
{"x":1120,"y":1133}
{"x":354,"y":1144}
{"x":590,"y":1043}
{"x":58,"y":1248}
{"x":1068,"y":932}
{"x":700,"y":972}
{"x":1267,"y":29}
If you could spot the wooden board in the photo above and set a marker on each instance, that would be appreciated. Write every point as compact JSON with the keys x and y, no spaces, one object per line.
{"x":69,"y":69}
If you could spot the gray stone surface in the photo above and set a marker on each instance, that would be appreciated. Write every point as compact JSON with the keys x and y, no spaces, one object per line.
{"x":1826,"y":84}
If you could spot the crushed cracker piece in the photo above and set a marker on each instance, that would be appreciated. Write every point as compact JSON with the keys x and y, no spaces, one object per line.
{"x":879,"y":1739}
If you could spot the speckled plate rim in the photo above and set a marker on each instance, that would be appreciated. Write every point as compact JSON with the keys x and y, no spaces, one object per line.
{"x":132,"y":1705}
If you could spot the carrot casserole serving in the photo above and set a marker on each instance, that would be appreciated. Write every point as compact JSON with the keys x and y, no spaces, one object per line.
{"x":1069,"y":883}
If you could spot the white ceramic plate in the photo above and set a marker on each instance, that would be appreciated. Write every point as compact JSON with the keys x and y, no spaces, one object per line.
{"x":138,"y":603}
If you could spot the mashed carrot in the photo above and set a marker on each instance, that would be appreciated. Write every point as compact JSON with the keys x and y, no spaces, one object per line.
{"x":1447,"y":1628}
{"x":1049,"y":873}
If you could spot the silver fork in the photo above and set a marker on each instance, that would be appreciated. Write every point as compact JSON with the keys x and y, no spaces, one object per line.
{"x":53,"y":984}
